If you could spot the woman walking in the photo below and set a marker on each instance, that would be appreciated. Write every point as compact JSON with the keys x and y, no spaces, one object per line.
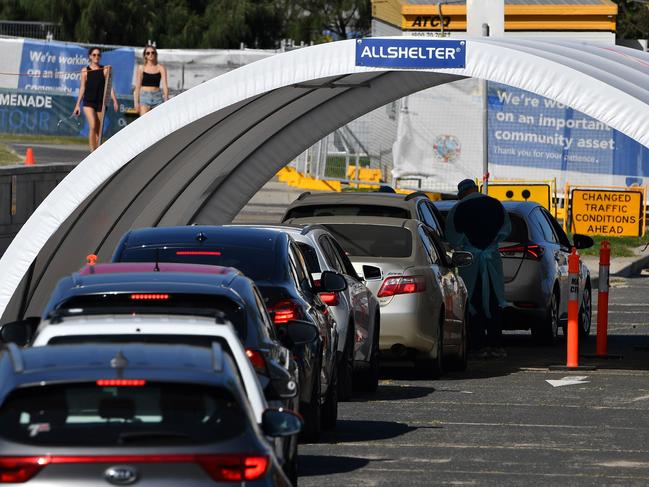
{"x":91,"y":91}
{"x":149,"y":77}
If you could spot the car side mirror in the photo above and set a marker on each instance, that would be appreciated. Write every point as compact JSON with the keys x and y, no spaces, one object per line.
{"x":371,"y":273}
{"x":281,"y":384}
{"x":582,"y":241}
{"x":19,"y":332}
{"x":297,"y":332}
{"x":279,"y":422}
{"x":332,"y":282}
{"x":461,"y":258}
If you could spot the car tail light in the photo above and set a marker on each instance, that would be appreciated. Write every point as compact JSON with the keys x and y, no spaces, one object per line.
{"x":284,"y":311}
{"x":402,"y":285}
{"x":234,"y":468}
{"x":121,"y":382}
{"x":20,"y":469}
{"x":256,"y":359}
{"x":527,"y":251}
{"x":229,"y":467}
{"x":198,"y":252}
{"x":149,"y":297}
{"x":330,"y":299}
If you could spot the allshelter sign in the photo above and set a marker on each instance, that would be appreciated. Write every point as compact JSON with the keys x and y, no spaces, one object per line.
{"x":616,"y":213}
{"x":410,"y":53}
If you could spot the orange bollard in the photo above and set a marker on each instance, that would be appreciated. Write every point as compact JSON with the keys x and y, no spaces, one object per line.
{"x":29,"y":157}
{"x":573,"y":311}
{"x":602,"y":298}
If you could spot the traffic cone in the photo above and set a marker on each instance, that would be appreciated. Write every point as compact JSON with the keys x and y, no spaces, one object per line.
{"x":29,"y":157}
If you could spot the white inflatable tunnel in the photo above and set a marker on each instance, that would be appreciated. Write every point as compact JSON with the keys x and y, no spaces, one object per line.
{"x":202,"y":155}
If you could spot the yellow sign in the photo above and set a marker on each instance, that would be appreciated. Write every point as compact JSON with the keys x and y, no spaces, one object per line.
{"x":616,"y":213}
{"x":540,"y":193}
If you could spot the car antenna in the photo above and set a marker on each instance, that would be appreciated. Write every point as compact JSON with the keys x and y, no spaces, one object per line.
{"x":157,"y":260}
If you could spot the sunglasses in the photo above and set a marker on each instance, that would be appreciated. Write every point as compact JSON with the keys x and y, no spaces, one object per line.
{"x":149,"y":53}
{"x":95,"y":54}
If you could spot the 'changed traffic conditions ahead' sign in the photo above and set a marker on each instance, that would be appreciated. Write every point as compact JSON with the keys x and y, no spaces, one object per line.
{"x":410,"y":53}
{"x":607,"y":212}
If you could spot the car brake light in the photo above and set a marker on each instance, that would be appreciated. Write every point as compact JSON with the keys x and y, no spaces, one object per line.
{"x":234,"y":468}
{"x":121,"y":382}
{"x":198,"y":252}
{"x":402,"y":285}
{"x":20,"y":469}
{"x":149,"y":297}
{"x":284,"y":311}
{"x":527,"y":251}
{"x":256,"y":359}
{"x":229,"y":467}
{"x":330,"y":299}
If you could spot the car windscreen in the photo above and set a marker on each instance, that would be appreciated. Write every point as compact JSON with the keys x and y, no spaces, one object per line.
{"x":347,"y":210}
{"x":256,"y":262}
{"x":359,"y":240}
{"x":138,"y":412}
{"x":158,"y":303}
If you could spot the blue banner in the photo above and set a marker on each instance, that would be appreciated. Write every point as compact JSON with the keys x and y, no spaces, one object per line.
{"x":52,"y":66}
{"x":50,"y":114}
{"x":410,"y":53}
{"x":535,"y":132}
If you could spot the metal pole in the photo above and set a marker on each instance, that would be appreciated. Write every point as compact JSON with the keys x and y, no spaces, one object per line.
{"x":485,"y":126}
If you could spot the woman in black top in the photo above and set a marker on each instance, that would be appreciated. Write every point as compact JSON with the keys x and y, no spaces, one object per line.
{"x":93,"y":82}
{"x":149,"y":77}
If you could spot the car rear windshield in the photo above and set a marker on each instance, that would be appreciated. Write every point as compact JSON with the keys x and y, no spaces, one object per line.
{"x":96,"y":414}
{"x":160,"y":303}
{"x":373,"y":240}
{"x":347,"y":210}
{"x":518,"y":232}
{"x":255,"y":262}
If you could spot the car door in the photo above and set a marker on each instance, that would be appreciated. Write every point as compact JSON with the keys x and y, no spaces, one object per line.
{"x":565,"y":247}
{"x":558,"y":260}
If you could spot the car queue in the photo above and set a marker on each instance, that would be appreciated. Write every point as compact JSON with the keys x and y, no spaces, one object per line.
{"x":267,"y":327}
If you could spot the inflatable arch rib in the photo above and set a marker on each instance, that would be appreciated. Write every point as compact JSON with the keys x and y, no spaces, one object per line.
{"x":203,"y":154}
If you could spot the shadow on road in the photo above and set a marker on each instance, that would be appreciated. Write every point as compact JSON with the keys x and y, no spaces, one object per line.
{"x":315,"y":465}
{"x":351,"y":431}
{"x":389,"y":392}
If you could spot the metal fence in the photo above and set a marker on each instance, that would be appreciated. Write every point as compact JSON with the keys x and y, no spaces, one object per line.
{"x":34,"y":30}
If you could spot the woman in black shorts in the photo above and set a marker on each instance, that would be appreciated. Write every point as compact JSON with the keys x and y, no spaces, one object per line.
{"x":93,"y":81}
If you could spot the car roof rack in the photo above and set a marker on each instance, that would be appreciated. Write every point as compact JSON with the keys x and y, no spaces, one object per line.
{"x":312,"y":226}
{"x":303,"y":195}
{"x":16,"y":357}
{"x":217,"y":357}
{"x":415,"y":194}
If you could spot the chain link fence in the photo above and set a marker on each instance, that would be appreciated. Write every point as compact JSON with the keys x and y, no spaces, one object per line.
{"x":34,"y":30}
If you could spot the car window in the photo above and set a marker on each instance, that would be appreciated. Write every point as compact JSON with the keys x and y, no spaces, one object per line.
{"x":360,"y":240}
{"x":518,"y":232}
{"x":299,"y":268}
{"x":310,"y":257}
{"x":256,"y":262}
{"x":426,"y":215}
{"x":347,"y":265}
{"x":429,"y":246}
{"x":347,"y":210}
{"x":330,"y":254}
{"x":263,"y":314}
{"x":96,"y":414}
{"x":561,"y":235}
{"x":544,"y":225}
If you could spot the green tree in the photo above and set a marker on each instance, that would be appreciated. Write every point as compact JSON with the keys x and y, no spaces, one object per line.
{"x":343,"y":19}
{"x":633,"y":19}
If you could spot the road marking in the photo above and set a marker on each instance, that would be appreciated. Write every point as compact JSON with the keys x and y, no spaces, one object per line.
{"x":641,"y":398}
{"x":569,"y":381}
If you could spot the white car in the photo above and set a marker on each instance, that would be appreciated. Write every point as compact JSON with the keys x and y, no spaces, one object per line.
{"x":169,"y":329}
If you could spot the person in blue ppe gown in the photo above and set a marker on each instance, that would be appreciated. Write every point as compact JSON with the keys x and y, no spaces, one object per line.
{"x":477,"y":224}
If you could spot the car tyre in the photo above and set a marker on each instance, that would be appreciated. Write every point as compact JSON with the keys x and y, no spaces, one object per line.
{"x":312,"y":413}
{"x":546,"y":332}
{"x":367,"y":374}
{"x":459,"y":362}
{"x":330,"y":406}
{"x":585,"y":313}
{"x":346,"y":366}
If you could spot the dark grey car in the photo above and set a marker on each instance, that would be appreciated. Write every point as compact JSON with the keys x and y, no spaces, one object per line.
{"x":132,"y":414}
{"x":535,"y":266}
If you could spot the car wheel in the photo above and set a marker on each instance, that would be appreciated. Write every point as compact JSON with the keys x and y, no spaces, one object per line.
{"x":330,"y":406}
{"x":312,"y":412}
{"x":432,"y":368}
{"x":366,"y":375}
{"x":547,"y":331}
{"x":346,"y":366}
{"x":459,"y":361}
{"x":585,"y":313}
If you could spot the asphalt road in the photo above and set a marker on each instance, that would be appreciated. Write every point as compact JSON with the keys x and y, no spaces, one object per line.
{"x":51,"y":153}
{"x":501,"y":422}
